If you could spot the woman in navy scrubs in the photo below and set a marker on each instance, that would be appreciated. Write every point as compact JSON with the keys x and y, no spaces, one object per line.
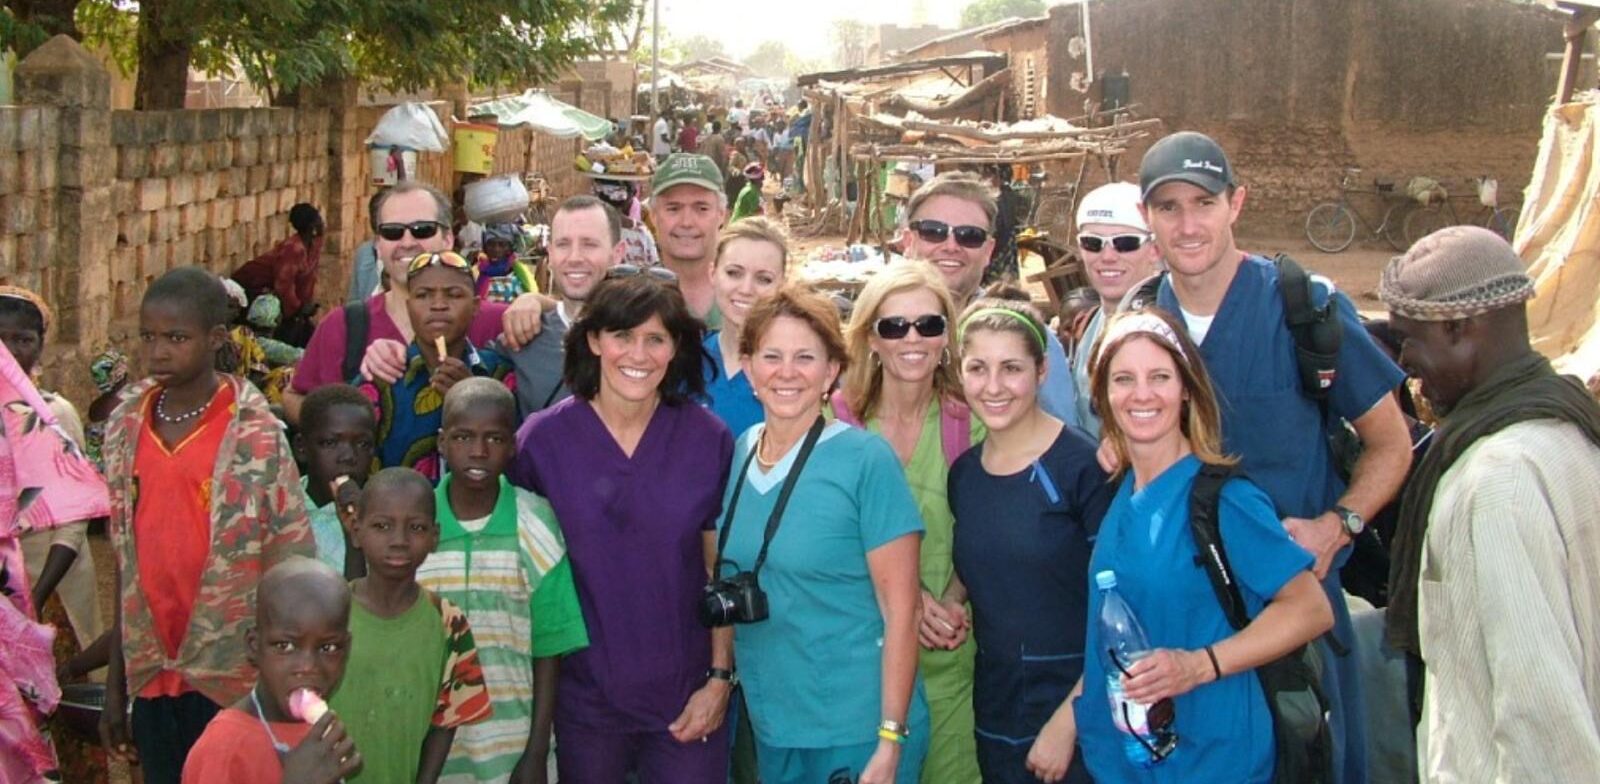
{"x":1027,"y":503}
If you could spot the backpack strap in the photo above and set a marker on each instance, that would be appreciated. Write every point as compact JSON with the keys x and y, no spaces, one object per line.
{"x":1317,"y":331}
{"x":357,"y":324}
{"x":1143,"y":295}
{"x":1205,"y":525}
{"x":841,"y":409}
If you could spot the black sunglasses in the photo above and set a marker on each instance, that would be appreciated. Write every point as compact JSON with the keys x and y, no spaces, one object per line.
{"x":661,"y":274}
{"x":1123,"y":243}
{"x":421,"y":230}
{"x":931,"y":325}
{"x":935,"y":232}
{"x":1158,"y":721}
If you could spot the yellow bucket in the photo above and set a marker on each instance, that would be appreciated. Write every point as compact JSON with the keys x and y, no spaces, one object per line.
{"x":474,"y":147}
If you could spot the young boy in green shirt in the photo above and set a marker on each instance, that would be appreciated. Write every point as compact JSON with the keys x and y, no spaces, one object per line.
{"x":502,"y":558}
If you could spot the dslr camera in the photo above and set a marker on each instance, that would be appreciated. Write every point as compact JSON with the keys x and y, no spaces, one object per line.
{"x":736,"y":599}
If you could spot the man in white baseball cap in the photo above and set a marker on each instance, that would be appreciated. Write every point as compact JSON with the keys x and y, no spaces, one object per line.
{"x":1118,"y":254}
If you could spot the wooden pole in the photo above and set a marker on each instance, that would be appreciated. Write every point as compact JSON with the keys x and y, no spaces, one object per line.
{"x":1577,"y":35}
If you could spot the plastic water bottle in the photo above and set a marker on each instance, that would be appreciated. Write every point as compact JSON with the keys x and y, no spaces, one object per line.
{"x":1122,"y":636}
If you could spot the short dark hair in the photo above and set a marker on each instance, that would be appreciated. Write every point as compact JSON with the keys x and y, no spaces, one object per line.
{"x":445,"y":212}
{"x":303,"y":217}
{"x":395,"y":478}
{"x":480,"y":394}
{"x":625,"y":303}
{"x":588,"y":201}
{"x":27,"y":311}
{"x":193,"y":288}
{"x":322,"y":400}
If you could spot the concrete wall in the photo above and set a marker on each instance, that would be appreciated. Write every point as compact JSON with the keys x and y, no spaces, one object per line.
{"x":96,"y":203}
{"x":1299,"y":89}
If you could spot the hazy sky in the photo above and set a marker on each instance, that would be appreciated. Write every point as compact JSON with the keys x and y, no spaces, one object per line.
{"x":741,"y":25}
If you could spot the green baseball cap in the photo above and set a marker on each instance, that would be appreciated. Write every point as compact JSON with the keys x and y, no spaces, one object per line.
{"x":683,"y":168}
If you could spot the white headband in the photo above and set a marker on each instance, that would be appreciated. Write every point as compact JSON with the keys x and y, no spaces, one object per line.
{"x":1147,"y":324}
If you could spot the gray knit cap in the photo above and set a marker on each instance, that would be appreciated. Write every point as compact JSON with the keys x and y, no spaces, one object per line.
{"x":1455,"y":273}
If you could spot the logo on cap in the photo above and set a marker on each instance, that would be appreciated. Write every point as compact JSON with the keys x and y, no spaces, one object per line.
{"x":1100,"y":213}
{"x":1189,"y":163}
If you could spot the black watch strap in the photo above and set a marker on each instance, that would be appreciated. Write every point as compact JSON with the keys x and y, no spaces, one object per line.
{"x":717,"y":673}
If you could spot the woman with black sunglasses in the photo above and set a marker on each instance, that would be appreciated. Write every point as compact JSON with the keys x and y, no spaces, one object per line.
{"x":901,"y":383}
{"x":1027,"y":503}
{"x":1161,"y":418}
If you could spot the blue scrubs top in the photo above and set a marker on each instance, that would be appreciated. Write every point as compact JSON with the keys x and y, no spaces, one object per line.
{"x":1224,"y":728}
{"x":1282,"y":442}
{"x":813,"y":671}
{"x":730,"y":398}
{"x":1022,"y":544}
{"x":1058,"y":395}
{"x":1267,"y":420}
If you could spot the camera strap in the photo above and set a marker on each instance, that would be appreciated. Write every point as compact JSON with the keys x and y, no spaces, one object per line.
{"x":812,"y":436}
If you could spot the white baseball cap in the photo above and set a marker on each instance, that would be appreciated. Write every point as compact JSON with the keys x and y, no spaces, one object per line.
{"x":1115,"y":203}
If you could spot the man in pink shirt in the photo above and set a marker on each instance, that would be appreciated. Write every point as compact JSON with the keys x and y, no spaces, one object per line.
{"x":411,"y":218}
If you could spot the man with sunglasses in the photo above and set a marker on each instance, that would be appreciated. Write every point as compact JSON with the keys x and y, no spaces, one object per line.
{"x":949,"y":224}
{"x":1231,"y":304}
{"x":411,"y":218}
{"x":586,"y":245}
{"x":1117,"y":253}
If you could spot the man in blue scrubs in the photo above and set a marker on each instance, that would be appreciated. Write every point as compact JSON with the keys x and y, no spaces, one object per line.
{"x":1230,"y":302}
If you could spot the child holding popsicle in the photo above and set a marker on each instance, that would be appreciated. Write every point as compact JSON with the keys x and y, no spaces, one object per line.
{"x":283,"y":732}
{"x":441,"y":301}
{"x":337,"y":432}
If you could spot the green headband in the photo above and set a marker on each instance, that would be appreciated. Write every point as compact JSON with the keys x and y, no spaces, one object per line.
{"x":1018,"y":315}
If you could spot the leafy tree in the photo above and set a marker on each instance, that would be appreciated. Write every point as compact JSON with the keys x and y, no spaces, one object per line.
{"x":772,"y":58}
{"x":982,"y":12}
{"x":850,"y":41}
{"x":701,"y":47}
{"x":286,"y":45}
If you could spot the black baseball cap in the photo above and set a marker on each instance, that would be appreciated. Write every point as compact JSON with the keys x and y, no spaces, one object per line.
{"x":1185,"y":156}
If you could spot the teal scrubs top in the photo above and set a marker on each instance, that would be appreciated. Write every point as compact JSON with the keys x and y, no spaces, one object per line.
{"x":813,"y":671}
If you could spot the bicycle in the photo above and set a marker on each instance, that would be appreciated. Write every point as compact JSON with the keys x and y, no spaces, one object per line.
{"x":1331,"y":226}
{"x":1430,"y":218}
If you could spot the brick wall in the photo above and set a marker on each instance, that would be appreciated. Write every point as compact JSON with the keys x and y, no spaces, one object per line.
{"x":1297,"y":90}
{"x":95,"y":203}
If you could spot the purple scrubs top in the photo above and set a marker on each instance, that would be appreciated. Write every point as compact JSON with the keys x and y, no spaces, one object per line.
{"x":634,"y":531}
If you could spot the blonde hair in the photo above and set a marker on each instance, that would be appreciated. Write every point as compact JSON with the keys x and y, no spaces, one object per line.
{"x":862,"y":384}
{"x":756,"y":229}
{"x":1200,"y":419}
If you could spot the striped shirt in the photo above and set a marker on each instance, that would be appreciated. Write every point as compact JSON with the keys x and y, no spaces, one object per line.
{"x":1509,"y":611}
{"x":511,"y":576}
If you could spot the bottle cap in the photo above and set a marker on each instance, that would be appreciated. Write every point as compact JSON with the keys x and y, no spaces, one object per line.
{"x":1106,"y":580}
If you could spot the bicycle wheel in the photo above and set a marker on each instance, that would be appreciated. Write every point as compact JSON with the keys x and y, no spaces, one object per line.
{"x":1424,"y":221}
{"x":1390,"y":228}
{"x":1504,"y":222}
{"x":1330,"y":227}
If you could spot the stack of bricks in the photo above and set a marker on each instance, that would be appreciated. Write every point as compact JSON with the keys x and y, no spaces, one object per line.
{"x":28,"y":180}
{"x":208,"y":187}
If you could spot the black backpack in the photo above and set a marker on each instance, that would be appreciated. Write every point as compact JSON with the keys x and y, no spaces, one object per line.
{"x":1292,"y":684}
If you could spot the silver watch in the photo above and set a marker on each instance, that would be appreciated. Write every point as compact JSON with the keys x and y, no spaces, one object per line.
{"x":1351,"y":520}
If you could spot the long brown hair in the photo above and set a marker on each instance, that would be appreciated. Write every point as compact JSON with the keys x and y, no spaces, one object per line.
{"x":862,"y":384}
{"x":1200,"y":420}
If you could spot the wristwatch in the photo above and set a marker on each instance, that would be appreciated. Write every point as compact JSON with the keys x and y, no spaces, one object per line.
{"x":1352,"y":522}
{"x":723,"y":675}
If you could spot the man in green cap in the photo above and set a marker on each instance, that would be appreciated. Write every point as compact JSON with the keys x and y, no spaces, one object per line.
{"x":689,"y":206}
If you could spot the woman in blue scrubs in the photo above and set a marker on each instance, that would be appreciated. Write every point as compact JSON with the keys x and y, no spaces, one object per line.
{"x":1027,"y":503}
{"x":1160,"y":416}
{"x":752,"y":255}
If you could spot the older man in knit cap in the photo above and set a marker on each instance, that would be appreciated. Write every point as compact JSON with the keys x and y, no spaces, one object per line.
{"x":1496,"y":575}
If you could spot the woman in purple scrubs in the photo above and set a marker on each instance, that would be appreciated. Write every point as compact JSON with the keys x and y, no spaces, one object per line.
{"x":635,"y":471}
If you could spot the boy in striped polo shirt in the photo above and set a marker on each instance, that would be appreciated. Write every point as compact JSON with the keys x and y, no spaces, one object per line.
{"x":501,"y":557}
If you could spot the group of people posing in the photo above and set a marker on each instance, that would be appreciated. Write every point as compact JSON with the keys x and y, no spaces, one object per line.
{"x":696,"y":526}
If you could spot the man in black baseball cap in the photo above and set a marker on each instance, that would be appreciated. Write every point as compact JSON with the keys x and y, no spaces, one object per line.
{"x":1231,"y":304}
